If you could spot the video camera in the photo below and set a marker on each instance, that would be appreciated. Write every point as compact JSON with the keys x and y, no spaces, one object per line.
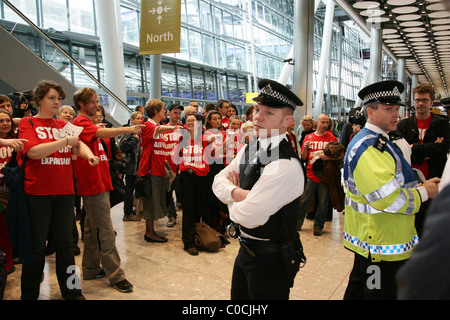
{"x":21,"y":103}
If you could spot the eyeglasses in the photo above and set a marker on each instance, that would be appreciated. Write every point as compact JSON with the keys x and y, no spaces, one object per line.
{"x":421,"y":101}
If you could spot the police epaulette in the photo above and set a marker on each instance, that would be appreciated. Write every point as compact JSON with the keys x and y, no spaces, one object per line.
{"x":380,"y":143}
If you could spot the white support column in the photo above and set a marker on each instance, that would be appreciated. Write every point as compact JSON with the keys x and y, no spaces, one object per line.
{"x":324,"y":57}
{"x":252,"y":47}
{"x":364,"y":84}
{"x":375,"y":55}
{"x":303,"y":56}
{"x":414,"y":83}
{"x":401,"y":70}
{"x":155,"y":76}
{"x":287,"y":68}
{"x":111,"y":44}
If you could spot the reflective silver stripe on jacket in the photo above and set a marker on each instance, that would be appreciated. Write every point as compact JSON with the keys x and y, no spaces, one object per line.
{"x":361,"y":207}
{"x":394,"y":207}
{"x":383,"y":192}
{"x":390,"y":249}
{"x":350,"y":183}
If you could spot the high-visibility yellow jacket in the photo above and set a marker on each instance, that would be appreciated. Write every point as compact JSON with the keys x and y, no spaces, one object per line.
{"x":381,"y":200}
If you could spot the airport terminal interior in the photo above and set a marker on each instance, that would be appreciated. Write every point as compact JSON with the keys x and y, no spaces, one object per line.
{"x":225,"y":47}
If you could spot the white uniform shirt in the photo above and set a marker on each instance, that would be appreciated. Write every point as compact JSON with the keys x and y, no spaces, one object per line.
{"x":281,"y":182}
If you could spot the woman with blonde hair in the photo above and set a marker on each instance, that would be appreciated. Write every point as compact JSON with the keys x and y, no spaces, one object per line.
{"x":66,"y":113}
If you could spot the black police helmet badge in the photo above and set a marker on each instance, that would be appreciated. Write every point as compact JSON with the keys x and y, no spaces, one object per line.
{"x":384,"y":92}
{"x":275,"y":95}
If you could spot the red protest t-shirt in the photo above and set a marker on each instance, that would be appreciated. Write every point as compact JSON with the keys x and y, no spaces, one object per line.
{"x":152,"y":151}
{"x":234,"y":140}
{"x":5,"y":156}
{"x":91,"y":180}
{"x":319,"y":143}
{"x":52,"y":175}
{"x":192,"y":157}
{"x":214,"y":150}
{"x":225,"y":122}
{"x":171,"y":139}
{"x":423,"y":126}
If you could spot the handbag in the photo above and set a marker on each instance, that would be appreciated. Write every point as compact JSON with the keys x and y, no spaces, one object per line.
{"x":143,"y":187}
{"x":207,"y":238}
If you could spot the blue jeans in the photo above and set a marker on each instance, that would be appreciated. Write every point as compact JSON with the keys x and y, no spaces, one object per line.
{"x":322,"y":203}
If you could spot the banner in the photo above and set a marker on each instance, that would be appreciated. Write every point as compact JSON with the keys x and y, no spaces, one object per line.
{"x":160,"y":26}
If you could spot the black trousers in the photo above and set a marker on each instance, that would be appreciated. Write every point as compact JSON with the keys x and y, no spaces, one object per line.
{"x":130,"y":185}
{"x":372,"y":280}
{"x":193,"y":199}
{"x":262,"y":277}
{"x":56,"y":212}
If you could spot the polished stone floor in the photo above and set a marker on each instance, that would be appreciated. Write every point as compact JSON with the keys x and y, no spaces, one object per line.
{"x":164,"y":271}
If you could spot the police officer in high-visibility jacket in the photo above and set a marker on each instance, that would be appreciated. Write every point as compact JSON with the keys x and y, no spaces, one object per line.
{"x":382,"y":197}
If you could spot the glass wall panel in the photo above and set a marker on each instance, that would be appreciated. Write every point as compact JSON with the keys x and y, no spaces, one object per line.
{"x":198,"y":84}
{"x":184,"y":45}
{"x":205,"y":17}
{"x":195,"y":46}
{"x":81,"y":13}
{"x":218,"y":25}
{"x":192,"y":13}
{"x":54,"y":14}
{"x":168,"y":80}
{"x":130,"y":26}
{"x":133,"y":78}
{"x":27,"y":8}
{"x":208,"y":50}
{"x":184,"y":82}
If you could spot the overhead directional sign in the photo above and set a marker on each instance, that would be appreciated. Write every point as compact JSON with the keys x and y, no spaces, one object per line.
{"x":160,"y":26}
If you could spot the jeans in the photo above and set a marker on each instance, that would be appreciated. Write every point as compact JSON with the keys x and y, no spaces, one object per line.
{"x":322,"y":201}
{"x":56,"y":212}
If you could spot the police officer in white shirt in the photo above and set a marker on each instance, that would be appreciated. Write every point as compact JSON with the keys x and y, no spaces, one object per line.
{"x":262,"y":188}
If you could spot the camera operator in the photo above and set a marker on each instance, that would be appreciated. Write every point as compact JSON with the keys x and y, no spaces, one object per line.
{"x":23,"y":104}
